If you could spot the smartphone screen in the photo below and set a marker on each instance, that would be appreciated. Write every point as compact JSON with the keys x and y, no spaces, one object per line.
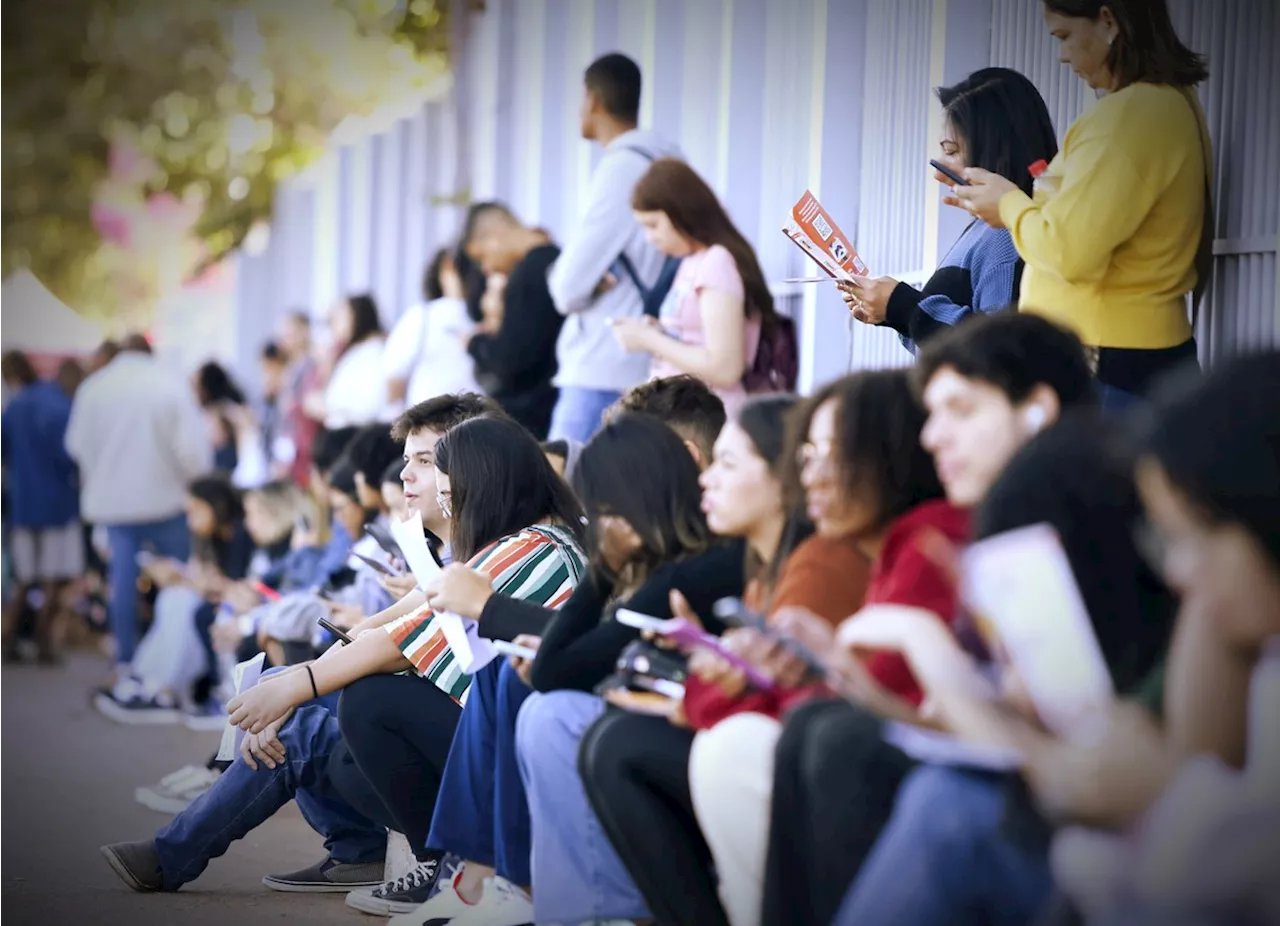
{"x":334,"y":629}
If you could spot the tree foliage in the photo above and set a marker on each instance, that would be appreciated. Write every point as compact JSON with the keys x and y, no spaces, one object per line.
{"x":222,"y":98}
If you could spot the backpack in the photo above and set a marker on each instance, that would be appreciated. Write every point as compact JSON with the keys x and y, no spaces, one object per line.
{"x":776,"y":367}
{"x":650,"y":297}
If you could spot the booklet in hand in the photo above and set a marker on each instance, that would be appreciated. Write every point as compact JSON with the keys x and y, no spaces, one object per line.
{"x":816,"y":233}
{"x":1027,"y":606}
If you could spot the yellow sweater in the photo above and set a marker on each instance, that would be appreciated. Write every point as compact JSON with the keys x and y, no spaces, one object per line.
{"x":1110,"y":247}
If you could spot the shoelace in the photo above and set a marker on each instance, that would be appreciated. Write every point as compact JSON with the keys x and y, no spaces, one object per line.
{"x":419,"y":875}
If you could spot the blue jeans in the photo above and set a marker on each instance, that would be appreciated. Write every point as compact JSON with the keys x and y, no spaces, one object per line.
{"x":1115,"y":401}
{"x":481,"y":812}
{"x":168,"y":538}
{"x":579,"y":412}
{"x":243,"y":799}
{"x":944,"y":860}
{"x":577,"y":872}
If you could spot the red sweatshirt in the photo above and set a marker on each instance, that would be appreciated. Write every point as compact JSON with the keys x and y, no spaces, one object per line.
{"x":826,"y":580}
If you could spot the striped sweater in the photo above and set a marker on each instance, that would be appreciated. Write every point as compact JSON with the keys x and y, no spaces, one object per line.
{"x":540,"y":564}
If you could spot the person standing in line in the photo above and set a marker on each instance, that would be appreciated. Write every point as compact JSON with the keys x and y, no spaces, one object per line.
{"x":514,"y":349}
{"x":300,"y":377}
{"x":423,"y":356}
{"x":42,"y":511}
{"x":595,"y":279}
{"x":139,"y":438}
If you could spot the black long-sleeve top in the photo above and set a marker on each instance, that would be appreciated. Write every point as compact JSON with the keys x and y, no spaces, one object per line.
{"x":579,"y":649}
{"x":518,"y":362}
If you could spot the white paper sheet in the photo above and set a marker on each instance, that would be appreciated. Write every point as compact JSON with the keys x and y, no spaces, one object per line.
{"x":244,"y":676}
{"x":472,"y":651}
{"x":412,"y":541}
{"x":943,"y":749}
{"x":1021,"y":590}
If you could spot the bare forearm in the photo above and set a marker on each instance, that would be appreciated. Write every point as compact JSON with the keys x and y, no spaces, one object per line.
{"x":406,"y":605}
{"x":371,"y":654}
{"x":1206,"y":693}
{"x":698,"y":361}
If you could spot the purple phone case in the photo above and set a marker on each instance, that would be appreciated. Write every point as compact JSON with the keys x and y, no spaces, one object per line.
{"x":686,"y":634}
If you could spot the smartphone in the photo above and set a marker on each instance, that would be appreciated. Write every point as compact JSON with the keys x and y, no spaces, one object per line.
{"x":734,"y":613}
{"x":334,"y":629}
{"x":512,"y":649}
{"x":684,"y":633}
{"x":375,"y":565}
{"x":384,"y":539}
{"x":949,"y":173}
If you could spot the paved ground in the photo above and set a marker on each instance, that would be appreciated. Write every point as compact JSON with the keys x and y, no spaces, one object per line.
{"x":68,"y":779}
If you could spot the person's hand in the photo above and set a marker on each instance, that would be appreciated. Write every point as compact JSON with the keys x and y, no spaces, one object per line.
{"x":636,"y":335}
{"x":345,"y":616}
{"x":269,"y":700}
{"x":398,"y":586}
{"x":524,"y":667}
{"x":680,"y":607}
{"x":867,"y":298}
{"x":492,"y":303}
{"x":619,"y":542}
{"x":163,"y":571}
{"x":241,"y":596}
{"x":981,"y":198}
{"x":607,"y":282}
{"x":1109,"y":784}
{"x":460,"y":589}
{"x":938,"y":662}
{"x":710,"y":669}
{"x":225,"y":636}
{"x":264,"y":747}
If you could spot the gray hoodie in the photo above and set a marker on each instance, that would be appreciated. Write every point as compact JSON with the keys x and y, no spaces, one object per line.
{"x":588,"y":355}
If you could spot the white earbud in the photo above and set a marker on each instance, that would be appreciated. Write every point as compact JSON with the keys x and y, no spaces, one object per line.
{"x":1035,"y":418}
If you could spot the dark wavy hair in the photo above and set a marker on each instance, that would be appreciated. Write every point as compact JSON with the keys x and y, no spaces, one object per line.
{"x":501,"y":483}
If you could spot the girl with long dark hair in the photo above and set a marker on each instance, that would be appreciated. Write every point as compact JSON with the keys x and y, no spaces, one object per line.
{"x":994,"y":119}
{"x":711,"y":324}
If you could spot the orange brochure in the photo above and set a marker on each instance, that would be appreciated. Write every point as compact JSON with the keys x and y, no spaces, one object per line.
{"x":816,"y":233}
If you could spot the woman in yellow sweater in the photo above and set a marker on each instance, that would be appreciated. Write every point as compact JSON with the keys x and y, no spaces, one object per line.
{"x":1119,"y":228}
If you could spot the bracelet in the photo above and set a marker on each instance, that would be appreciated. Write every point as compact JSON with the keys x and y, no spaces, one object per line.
{"x":315,"y":692}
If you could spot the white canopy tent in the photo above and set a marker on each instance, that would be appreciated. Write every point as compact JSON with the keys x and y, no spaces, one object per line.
{"x":33,"y":319}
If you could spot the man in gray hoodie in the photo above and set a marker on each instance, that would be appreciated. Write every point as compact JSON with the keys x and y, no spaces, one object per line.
{"x":588,"y":282}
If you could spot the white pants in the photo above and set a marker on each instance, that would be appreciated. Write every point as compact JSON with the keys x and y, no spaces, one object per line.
{"x":731,"y":780}
{"x":171,"y":657}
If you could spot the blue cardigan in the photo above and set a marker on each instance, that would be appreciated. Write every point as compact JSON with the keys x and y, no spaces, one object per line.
{"x":980,"y":273}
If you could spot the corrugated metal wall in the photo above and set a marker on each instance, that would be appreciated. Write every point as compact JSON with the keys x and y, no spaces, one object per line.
{"x":764,"y":97}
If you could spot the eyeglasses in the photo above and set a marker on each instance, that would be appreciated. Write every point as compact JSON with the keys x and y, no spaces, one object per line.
{"x":815,"y":451}
{"x":445,"y":501}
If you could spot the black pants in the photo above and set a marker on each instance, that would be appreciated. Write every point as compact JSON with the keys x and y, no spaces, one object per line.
{"x":398,"y":729}
{"x":834,"y":787}
{"x":635,"y":770}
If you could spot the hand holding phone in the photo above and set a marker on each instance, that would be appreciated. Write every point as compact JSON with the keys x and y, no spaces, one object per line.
{"x":335,"y":630}
{"x":948,"y":173}
{"x":515,"y":649}
{"x":682,"y":632}
{"x":380,"y":568}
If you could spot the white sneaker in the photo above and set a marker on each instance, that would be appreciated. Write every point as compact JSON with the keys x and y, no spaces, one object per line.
{"x":503,"y":904}
{"x":175,"y":792}
{"x":442,"y":908}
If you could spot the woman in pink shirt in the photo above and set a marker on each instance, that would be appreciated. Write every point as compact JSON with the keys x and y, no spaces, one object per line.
{"x":710,"y":324}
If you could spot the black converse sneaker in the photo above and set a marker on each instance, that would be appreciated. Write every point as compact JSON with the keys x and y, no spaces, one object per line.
{"x":403,"y":895}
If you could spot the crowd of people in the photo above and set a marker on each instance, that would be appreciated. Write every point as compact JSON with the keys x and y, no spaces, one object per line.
{"x":601,"y":433}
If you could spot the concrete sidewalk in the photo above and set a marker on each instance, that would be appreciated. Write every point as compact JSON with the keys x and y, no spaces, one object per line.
{"x":68,"y":779}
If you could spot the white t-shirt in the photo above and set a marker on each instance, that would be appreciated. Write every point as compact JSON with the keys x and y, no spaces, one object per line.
{"x":425,"y":347}
{"x":357,"y":391}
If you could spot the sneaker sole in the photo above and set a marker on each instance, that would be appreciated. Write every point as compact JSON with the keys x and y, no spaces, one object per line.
{"x":316,"y":887}
{"x":113,"y":711}
{"x":366,"y":903}
{"x":159,"y":803}
{"x":122,"y":870}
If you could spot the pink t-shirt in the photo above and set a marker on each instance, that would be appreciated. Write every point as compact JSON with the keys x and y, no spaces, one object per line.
{"x":681,"y":316}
